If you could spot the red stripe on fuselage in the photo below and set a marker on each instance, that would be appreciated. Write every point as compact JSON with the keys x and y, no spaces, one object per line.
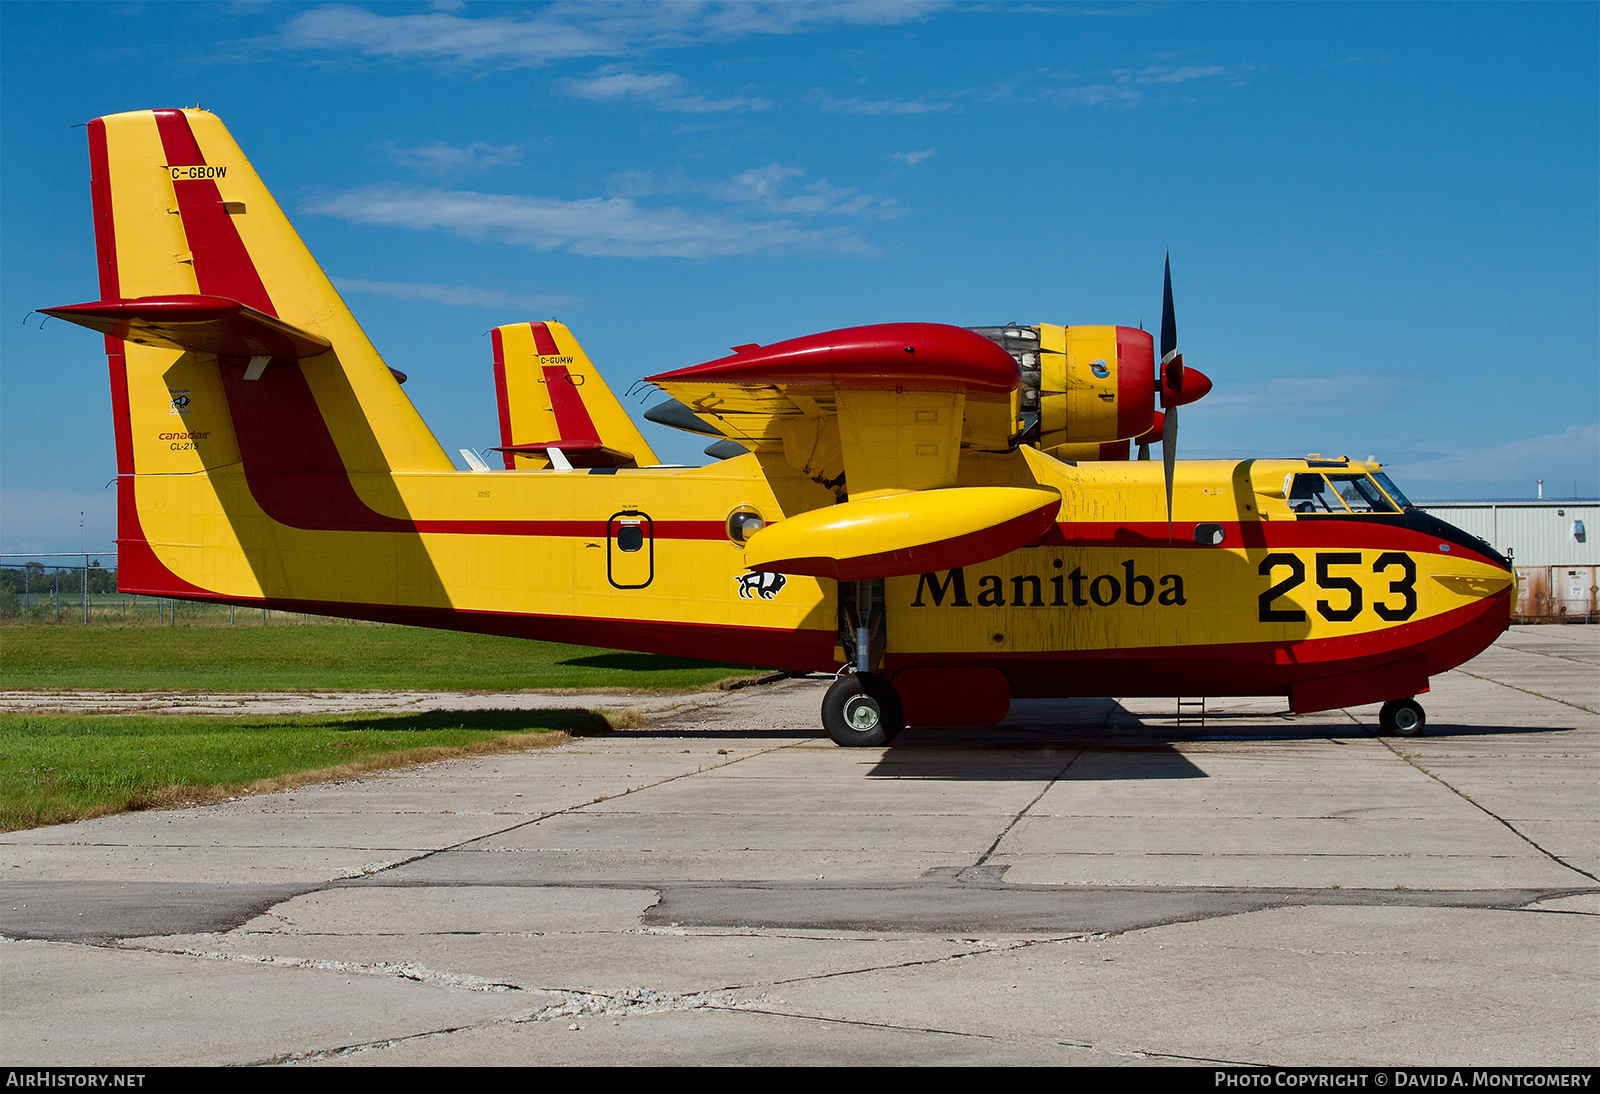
{"x":801,"y":650}
{"x":1236,"y":668}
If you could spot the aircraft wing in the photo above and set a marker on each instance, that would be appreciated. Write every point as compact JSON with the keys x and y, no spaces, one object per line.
{"x":880,"y":415}
{"x":889,"y":406}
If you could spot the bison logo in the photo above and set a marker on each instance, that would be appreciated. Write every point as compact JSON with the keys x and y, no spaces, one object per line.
{"x":764,"y":585}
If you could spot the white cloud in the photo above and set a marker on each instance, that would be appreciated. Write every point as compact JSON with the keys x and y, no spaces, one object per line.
{"x":1560,"y":459}
{"x":663,"y":91}
{"x":911,"y":159}
{"x":1128,"y":86}
{"x":1323,"y":394}
{"x":877,"y":106}
{"x":459,"y":296}
{"x":567,"y":30}
{"x":1167,"y":74}
{"x":767,"y":187}
{"x":589,"y":226}
{"x":445,"y":159}
{"x":1119,"y":94}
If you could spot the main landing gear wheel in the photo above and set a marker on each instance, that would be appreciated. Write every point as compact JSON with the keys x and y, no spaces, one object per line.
{"x":1403,"y":716}
{"x":862,"y":710}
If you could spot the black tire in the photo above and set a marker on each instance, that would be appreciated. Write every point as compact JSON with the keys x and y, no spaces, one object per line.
{"x":862,"y":710}
{"x":1403,"y":717}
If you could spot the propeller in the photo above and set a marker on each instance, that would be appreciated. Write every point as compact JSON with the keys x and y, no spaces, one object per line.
{"x":1179,"y":385}
{"x":1171,"y":384}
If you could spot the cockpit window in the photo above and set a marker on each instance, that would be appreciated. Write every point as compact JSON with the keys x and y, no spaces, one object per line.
{"x":1311,"y":494}
{"x":1392,"y":490}
{"x":1361,"y":494}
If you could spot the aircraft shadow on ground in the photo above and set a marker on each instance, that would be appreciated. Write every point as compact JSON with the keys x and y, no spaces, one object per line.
{"x":1114,"y":746}
{"x":576,"y":721}
{"x":650,"y":662}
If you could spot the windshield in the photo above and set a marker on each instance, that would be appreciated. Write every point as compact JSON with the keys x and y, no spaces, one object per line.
{"x":1392,"y":490}
{"x":1361,"y":494}
{"x":1314,"y":493}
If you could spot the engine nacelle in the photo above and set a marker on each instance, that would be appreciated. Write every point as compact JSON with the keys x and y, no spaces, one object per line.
{"x":1082,"y":387}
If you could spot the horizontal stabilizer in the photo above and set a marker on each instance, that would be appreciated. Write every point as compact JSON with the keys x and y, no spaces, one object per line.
{"x":911,"y":533}
{"x":203,"y":324}
{"x":579,"y":453}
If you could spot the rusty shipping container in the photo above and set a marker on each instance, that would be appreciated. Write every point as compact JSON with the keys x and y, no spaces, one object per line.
{"x":1558,"y":594}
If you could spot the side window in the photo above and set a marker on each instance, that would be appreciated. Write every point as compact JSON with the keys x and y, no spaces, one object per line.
{"x":1311,"y":494}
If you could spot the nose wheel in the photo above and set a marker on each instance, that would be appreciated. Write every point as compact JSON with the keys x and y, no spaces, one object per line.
{"x":1403,"y":717}
{"x":862,"y":710}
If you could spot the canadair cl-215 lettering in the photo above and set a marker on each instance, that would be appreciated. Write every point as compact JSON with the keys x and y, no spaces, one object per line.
{"x":946,"y":518}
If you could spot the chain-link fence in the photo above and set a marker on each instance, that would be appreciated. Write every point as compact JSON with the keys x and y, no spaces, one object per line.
{"x":81,"y":589}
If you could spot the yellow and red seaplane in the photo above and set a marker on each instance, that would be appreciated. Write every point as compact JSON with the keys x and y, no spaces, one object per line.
{"x":945,"y":518}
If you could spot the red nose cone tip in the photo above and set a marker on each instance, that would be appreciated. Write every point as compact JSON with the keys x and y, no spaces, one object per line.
{"x":929,"y":356}
{"x":1195,"y":386}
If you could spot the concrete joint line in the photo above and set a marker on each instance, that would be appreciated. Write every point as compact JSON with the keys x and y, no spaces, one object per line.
{"x":981,"y":950}
{"x":400,"y":970}
{"x":1015,"y":820}
{"x":1530,"y":691}
{"x":629,"y":1002}
{"x":1513,"y":829}
{"x":1089,"y":1046}
{"x":366,"y":872}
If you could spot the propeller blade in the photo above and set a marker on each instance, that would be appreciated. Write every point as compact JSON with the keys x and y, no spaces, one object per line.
{"x":1171,"y":382}
{"x":1169,"y":320}
{"x":1171,"y":377}
{"x":1169,"y":456}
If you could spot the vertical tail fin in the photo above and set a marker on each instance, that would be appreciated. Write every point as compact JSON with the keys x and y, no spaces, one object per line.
{"x":180,"y":214}
{"x":242,"y":387}
{"x":552,"y":396}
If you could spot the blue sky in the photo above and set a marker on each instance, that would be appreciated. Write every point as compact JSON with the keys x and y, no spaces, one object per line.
{"x":1382,"y":217}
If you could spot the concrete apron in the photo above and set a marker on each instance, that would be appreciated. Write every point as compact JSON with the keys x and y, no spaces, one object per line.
{"x":1089,"y":883}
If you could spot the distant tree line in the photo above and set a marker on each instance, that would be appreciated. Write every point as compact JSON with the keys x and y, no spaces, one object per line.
{"x":36,"y":577}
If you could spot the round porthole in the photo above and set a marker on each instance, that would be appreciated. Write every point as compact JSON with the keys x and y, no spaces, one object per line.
{"x":1208,"y":535}
{"x":743,"y":523}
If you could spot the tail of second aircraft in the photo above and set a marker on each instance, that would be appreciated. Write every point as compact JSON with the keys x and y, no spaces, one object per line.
{"x":555,"y":408}
{"x":242,"y":387}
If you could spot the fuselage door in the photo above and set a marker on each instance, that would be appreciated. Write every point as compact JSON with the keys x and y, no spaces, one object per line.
{"x":630,"y":550}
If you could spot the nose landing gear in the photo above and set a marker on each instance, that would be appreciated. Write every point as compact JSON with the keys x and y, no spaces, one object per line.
{"x":1404,"y":717}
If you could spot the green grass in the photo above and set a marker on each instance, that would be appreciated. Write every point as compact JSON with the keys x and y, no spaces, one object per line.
{"x":331,"y":656}
{"x":56,"y":768}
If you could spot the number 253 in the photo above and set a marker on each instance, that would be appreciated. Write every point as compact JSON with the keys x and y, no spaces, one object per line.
{"x":1349,"y":602}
